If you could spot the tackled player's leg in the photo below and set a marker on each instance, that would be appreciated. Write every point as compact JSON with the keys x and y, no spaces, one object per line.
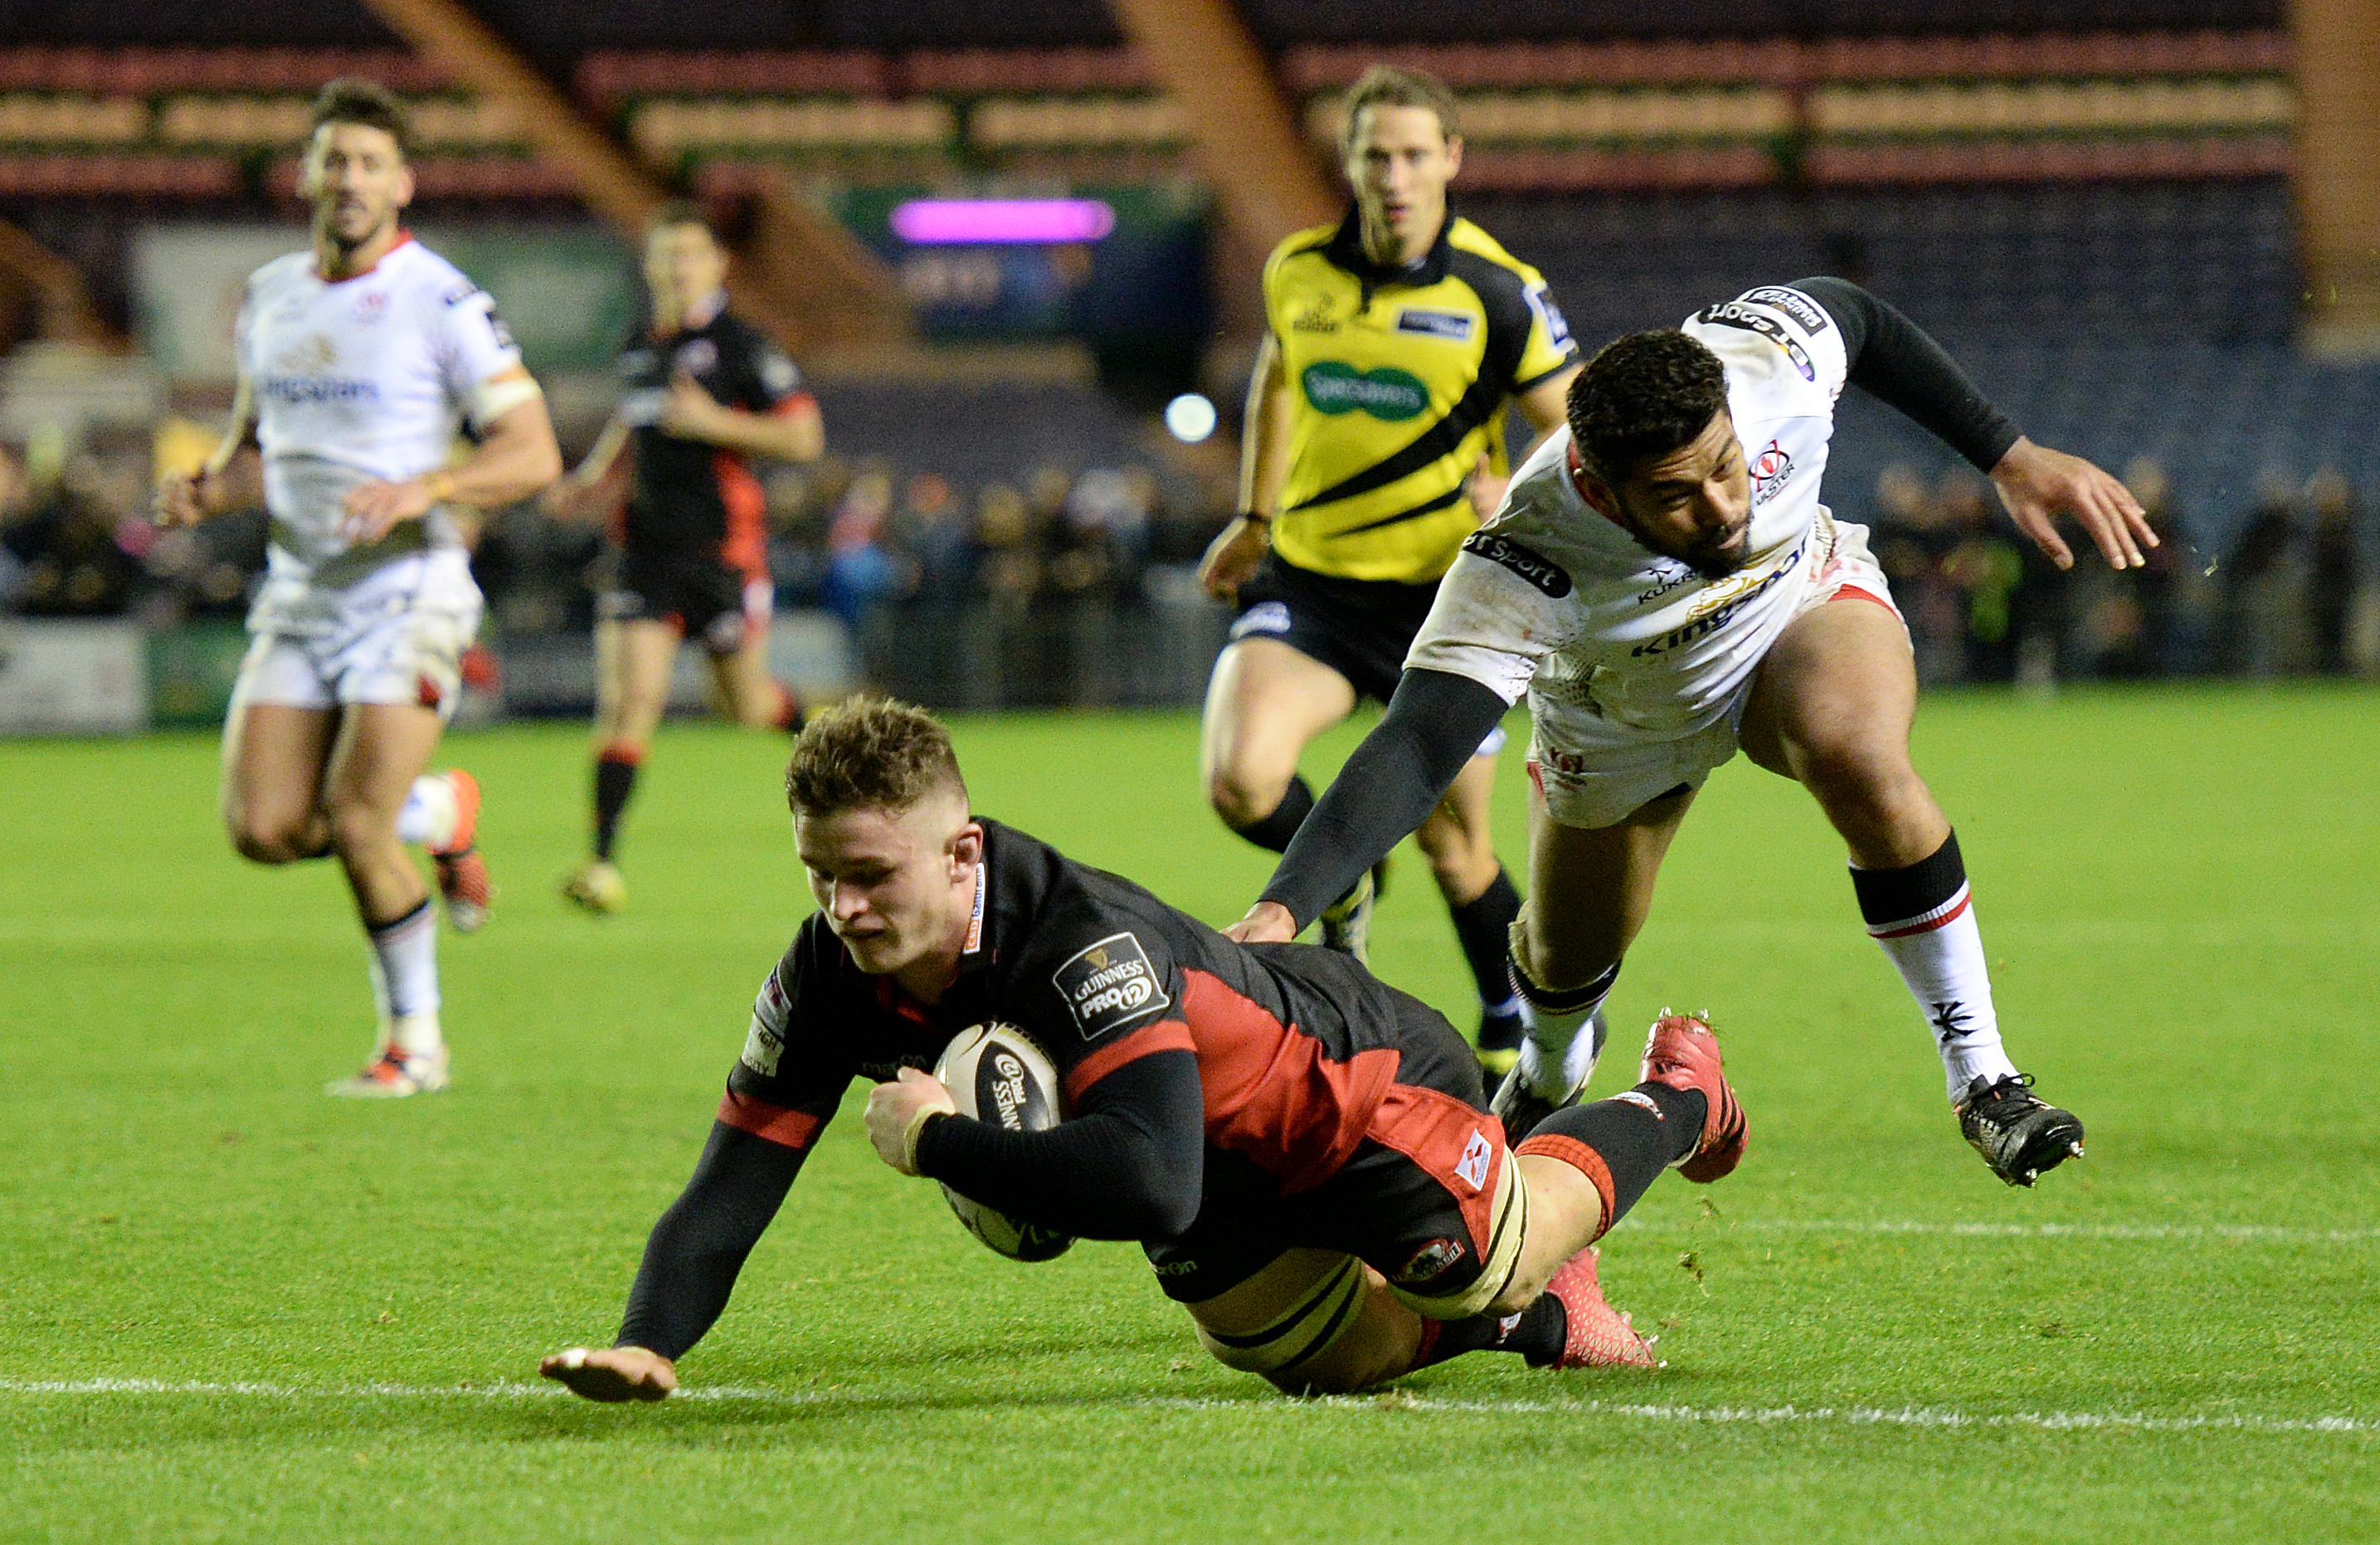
{"x":1831,"y":707}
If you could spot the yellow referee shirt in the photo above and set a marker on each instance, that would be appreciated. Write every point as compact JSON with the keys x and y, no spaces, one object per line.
{"x":1402,"y":376}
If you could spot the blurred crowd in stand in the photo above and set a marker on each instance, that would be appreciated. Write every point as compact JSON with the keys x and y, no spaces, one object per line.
{"x":899,"y":557}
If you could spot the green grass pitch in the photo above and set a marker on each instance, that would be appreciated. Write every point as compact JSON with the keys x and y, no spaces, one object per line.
{"x":233,"y":1309}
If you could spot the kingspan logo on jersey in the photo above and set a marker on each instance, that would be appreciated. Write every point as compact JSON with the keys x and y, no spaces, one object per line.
{"x":1387,"y":394}
{"x":1110,"y":984}
{"x":1734,"y":313}
{"x":1718,"y":616}
{"x":295,"y":390}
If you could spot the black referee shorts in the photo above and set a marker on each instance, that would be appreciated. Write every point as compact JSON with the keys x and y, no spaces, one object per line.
{"x":1361,"y":629}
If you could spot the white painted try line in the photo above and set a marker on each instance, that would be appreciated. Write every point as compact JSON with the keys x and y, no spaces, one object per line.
{"x":1920,"y":1417}
{"x":2248,"y":1233}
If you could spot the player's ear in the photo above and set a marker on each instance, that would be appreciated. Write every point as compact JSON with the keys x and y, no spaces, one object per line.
{"x":1598,"y":494}
{"x":402,"y":193}
{"x":1453,"y":155}
{"x":966,"y":848}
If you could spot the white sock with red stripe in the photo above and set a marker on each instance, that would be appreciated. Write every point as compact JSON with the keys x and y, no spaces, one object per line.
{"x":1922,"y":917}
{"x":405,"y":978}
{"x":428,"y":816}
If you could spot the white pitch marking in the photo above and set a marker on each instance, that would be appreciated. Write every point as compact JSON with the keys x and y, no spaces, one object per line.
{"x":1849,"y":1416}
{"x":2247,"y":1233}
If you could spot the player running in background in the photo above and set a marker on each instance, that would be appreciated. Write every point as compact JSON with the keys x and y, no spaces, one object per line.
{"x":1664,"y":586}
{"x":359,"y":361}
{"x":1302,"y":1150}
{"x":705,"y":391}
{"x":1374,"y":445}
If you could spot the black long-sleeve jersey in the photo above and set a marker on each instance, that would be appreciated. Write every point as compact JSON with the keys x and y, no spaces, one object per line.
{"x":1175,"y":1047}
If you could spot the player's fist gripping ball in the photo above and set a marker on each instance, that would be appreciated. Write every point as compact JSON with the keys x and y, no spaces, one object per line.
{"x":995,"y":1075}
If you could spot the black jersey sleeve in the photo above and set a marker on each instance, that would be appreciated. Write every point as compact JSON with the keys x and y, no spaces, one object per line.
{"x":1100,"y":989}
{"x":1127,"y":1164}
{"x":698,"y":1248}
{"x":781,"y":1093}
{"x":1894,"y":359}
{"x":1434,"y":726}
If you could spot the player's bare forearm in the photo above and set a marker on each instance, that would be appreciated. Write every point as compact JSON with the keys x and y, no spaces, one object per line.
{"x":1264,"y":435}
{"x":516,"y":457}
{"x":2037,"y":484}
{"x":794,"y":436}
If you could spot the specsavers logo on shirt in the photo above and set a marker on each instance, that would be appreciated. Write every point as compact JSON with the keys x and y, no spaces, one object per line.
{"x":1387,"y":394}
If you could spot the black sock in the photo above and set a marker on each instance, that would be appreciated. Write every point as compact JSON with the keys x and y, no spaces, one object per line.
{"x":1536,"y":1334}
{"x":615,"y":778}
{"x":1484,"y":927}
{"x":1275,"y":830}
{"x":1635,"y":1143}
{"x":1888,"y":899}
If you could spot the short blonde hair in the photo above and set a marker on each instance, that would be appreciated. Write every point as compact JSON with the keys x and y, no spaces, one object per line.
{"x":1386,"y":86}
{"x":870,"y":753}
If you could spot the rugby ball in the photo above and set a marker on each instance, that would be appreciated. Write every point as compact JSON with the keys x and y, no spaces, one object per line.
{"x":995,"y":1075}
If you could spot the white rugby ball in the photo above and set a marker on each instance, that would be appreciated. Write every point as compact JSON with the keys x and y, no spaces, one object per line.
{"x":995,"y":1075}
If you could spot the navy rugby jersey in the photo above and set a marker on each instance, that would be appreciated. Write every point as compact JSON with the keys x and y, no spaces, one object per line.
{"x":689,"y":496}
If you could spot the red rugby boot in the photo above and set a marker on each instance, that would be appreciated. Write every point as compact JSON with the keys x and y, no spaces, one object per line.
{"x":1681,"y":1053}
{"x":1598,"y":1335}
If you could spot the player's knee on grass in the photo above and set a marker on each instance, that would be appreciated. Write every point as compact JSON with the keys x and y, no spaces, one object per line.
{"x":1336,"y":1335}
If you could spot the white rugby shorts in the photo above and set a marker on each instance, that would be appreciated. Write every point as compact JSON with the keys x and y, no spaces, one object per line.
{"x":1593,"y":773}
{"x":396,"y":637}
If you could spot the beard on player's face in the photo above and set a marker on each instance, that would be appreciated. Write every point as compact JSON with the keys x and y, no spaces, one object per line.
{"x":356,"y":180}
{"x":1693,"y":504}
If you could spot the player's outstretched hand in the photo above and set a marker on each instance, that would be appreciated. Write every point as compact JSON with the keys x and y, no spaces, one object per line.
{"x":374,"y":507}
{"x":612,"y":1373}
{"x":2036,"y":483}
{"x":1267,"y":922}
{"x":896,"y":1111}
{"x":1232,"y":558}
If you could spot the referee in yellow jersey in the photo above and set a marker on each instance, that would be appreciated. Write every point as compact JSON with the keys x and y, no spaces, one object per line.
{"x":1374,"y":445}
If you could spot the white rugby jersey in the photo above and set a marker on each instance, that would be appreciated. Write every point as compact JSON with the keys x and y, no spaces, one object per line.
{"x":1552,"y":599}
{"x":362,"y":377}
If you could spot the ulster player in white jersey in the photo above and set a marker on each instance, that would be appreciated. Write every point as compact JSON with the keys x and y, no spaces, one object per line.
{"x":359,"y":361}
{"x":1664,"y":586}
